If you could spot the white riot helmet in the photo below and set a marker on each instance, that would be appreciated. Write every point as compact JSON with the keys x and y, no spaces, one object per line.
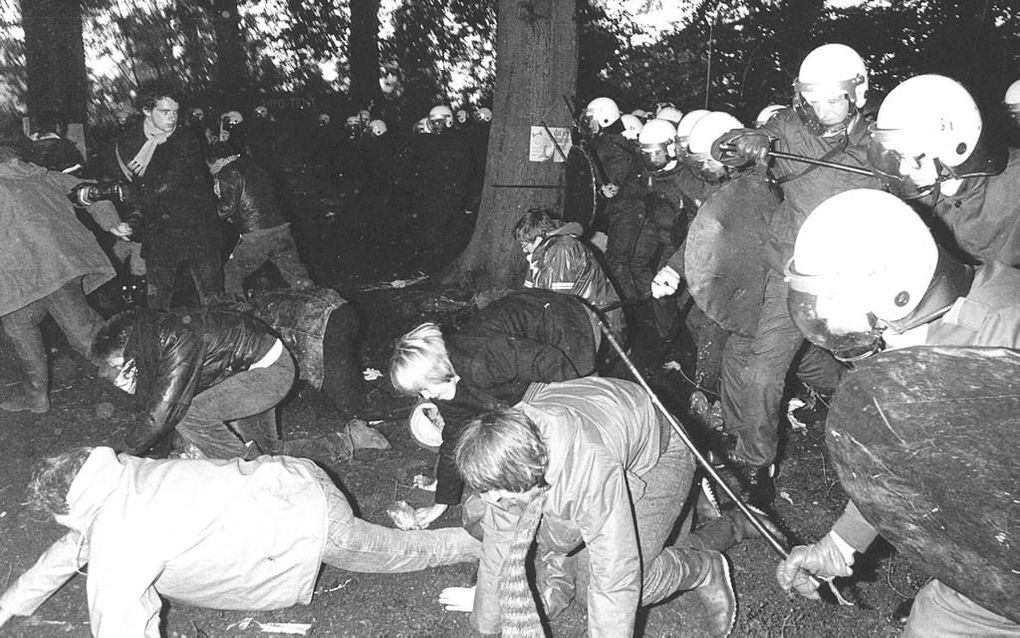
{"x":1012,"y":100}
{"x":670,"y":114}
{"x":631,"y":126}
{"x":440,"y":118}
{"x":862,"y":263}
{"x":640,"y":114}
{"x":684,"y":127}
{"x":766,"y":114}
{"x":324,"y":119}
{"x":426,"y":426}
{"x":462,"y":116}
{"x":830,"y":71}
{"x":926,"y":128}
{"x":353,"y":126}
{"x":233,"y":118}
{"x":483,"y":114}
{"x":657,"y":140}
{"x":705,"y":131}
{"x":261,"y":112}
{"x":600,"y":113}
{"x":421,"y":127}
{"x":377,"y":127}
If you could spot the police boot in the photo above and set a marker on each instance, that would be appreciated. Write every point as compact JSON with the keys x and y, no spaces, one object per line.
{"x":34,"y":395}
{"x":715,"y":590}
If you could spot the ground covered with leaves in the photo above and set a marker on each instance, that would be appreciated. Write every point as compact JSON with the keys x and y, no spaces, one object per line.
{"x":352,"y":604}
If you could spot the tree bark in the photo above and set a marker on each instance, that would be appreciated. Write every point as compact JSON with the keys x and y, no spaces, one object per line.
{"x":536,"y":64}
{"x":55,"y":58}
{"x":231,"y":63}
{"x":363,"y":51}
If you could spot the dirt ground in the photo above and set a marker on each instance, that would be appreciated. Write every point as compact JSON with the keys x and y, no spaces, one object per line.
{"x":351,"y":604}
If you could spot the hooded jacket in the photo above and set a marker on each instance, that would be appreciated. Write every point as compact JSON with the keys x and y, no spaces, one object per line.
{"x":245,"y":535}
{"x":44,"y":246}
{"x":602,"y":436}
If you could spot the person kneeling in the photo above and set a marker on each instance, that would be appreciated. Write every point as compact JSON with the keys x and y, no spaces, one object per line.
{"x":594,"y":461}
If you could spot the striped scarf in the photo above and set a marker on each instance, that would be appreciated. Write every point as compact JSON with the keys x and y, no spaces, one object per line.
{"x":520,"y":617}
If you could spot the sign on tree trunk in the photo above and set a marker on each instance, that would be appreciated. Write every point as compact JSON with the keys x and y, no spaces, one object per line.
{"x":536,"y":65}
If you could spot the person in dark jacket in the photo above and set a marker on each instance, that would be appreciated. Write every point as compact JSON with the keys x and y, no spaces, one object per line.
{"x":50,"y":149}
{"x":194,"y":370}
{"x":175,"y":198}
{"x":248,"y":200}
{"x":527,"y":336}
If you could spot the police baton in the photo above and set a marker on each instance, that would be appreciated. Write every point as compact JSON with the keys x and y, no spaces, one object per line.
{"x":857,"y":170}
{"x":751,"y":514}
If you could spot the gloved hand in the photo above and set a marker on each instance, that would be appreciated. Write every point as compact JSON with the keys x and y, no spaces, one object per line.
{"x":823,"y":559}
{"x":742,"y":146}
{"x":458,"y":598}
{"x":665,"y":283}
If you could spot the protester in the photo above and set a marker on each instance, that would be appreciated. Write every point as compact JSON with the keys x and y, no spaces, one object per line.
{"x":245,"y":535}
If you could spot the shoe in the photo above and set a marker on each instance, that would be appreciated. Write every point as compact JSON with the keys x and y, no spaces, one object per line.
{"x":901,"y":612}
{"x":758,"y":486}
{"x":717,"y":595}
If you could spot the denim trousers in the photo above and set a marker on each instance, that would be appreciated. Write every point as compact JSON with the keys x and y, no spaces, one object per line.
{"x":248,"y":399}
{"x":255,"y":249}
{"x":68,"y":307}
{"x":355,"y":545}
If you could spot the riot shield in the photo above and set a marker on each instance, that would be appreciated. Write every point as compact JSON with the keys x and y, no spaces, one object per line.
{"x":581,"y":202}
{"x":725,"y":257}
{"x":925,"y":443}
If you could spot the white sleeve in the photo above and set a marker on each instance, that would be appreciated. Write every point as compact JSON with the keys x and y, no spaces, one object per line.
{"x":55,"y":567}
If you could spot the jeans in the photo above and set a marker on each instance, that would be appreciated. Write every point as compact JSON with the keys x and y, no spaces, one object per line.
{"x":355,"y":545}
{"x":248,"y":397}
{"x":68,"y":307}
{"x":754,"y":375}
{"x":942,"y":611}
{"x":205,"y":273}
{"x":255,"y":249}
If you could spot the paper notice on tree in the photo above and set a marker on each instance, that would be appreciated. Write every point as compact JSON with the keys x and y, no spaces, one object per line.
{"x":543,"y":148}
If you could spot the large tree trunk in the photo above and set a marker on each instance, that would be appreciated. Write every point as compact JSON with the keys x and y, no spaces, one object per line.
{"x":363,"y":51}
{"x":536,"y":64}
{"x":55,"y":59}
{"x":231,"y":63}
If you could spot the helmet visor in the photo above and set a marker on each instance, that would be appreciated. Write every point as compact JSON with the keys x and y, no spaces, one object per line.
{"x":705,"y":166}
{"x":656,"y":155}
{"x":900,"y":162}
{"x":831,"y":315}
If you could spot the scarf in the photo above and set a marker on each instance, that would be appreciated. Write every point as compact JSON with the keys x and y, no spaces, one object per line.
{"x":520,"y":617}
{"x":153,"y":138}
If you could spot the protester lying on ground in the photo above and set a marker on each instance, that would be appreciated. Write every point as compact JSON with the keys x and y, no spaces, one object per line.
{"x":244,"y":535}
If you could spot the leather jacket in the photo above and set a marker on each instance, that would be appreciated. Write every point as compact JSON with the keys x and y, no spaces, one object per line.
{"x":198,"y":348}
{"x":247,"y":198}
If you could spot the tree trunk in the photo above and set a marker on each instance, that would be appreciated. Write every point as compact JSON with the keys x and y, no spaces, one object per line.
{"x":363,"y":51}
{"x":536,"y":64}
{"x":231,"y":63}
{"x":55,"y":58}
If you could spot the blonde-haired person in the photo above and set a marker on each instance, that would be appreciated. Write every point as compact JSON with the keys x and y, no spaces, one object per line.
{"x":527,"y":336}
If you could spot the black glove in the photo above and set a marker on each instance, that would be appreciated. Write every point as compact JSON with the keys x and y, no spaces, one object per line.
{"x":742,"y":146}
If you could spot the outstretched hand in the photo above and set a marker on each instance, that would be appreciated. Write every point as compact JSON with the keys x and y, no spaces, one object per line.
{"x":423,"y":516}
{"x":822,"y":559}
{"x":458,"y":598}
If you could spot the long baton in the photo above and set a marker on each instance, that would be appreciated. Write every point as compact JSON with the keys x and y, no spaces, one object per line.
{"x":745,"y":509}
{"x":857,"y":170}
